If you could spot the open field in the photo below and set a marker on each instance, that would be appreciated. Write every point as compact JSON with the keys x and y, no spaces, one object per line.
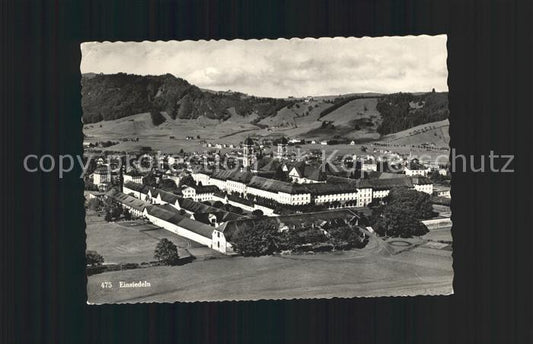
{"x":358,"y":108}
{"x":233,"y":132}
{"x":158,"y":137}
{"x":372,"y":271}
{"x":170,"y":136}
{"x":435,"y":132}
{"x":133,"y":241}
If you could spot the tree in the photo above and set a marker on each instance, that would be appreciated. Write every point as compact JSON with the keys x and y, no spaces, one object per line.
{"x":413,"y":202}
{"x":108,"y":216}
{"x":168,"y":185}
{"x":94,"y":204}
{"x":281,"y":175}
{"x":127,"y":215}
{"x":257,"y":213}
{"x":89,"y":185}
{"x":298,"y":237}
{"x":395,"y":222}
{"x":218,"y":204}
{"x":149,"y":180}
{"x":346,"y":237}
{"x":187,"y":180}
{"x":258,"y":240}
{"x":166,"y":252}
{"x":116,"y":212}
{"x":401,"y":213}
{"x":93,"y":258}
{"x":236,"y":210}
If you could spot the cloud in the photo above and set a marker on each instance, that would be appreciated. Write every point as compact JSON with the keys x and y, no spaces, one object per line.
{"x":281,"y":68}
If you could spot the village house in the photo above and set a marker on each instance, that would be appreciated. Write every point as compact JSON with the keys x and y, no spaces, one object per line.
{"x":442,"y":191}
{"x":179,"y":224}
{"x":381,"y":187}
{"x":135,"y":189}
{"x":101,"y":176}
{"x":363,"y":196}
{"x":135,"y":206}
{"x":414,"y":168}
{"x":133,"y":176}
{"x":302,"y":173}
{"x":369,"y":165}
{"x":199,"y":193}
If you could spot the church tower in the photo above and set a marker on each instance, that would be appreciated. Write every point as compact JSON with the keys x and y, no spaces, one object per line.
{"x":247,"y":153}
{"x":282,"y":148}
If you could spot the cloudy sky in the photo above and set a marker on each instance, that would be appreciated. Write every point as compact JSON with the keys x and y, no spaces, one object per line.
{"x":281,"y":68}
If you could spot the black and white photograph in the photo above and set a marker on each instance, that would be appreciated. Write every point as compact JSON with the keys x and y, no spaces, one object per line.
{"x":209,"y":171}
{"x":303,"y":168}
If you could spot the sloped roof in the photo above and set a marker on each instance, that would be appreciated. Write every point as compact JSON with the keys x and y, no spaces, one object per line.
{"x":415,"y":165}
{"x":195,"y":207}
{"x":276,"y":185}
{"x":388,"y":175}
{"x":219,"y":194}
{"x":202,"y":170}
{"x":240,"y":200}
{"x":441,"y":188}
{"x":272,"y":165}
{"x":224,"y":216}
{"x":421,"y":180}
{"x":329,"y":188}
{"x":167,"y":215}
{"x":205,"y":189}
{"x":237,"y":176}
{"x":299,"y":166}
{"x":139,"y":187}
{"x":128,"y":200}
{"x":313,"y":172}
{"x":203,"y":217}
{"x":200,"y":208}
{"x":112,"y":192}
{"x":197,"y":227}
{"x":341,"y":180}
{"x":167,"y":196}
{"x":382,"y":184}
{"x":134,"y":186}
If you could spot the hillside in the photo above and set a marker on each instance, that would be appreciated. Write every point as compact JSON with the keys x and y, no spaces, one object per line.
{"x":162,"y":110}
{"x":401,"y":111}
{"x":114,"y":96}
{"x":435,"y":132}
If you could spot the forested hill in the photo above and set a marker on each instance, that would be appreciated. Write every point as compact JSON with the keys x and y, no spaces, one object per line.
{"x":400,"y":111}
{"x":113,"y":96}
